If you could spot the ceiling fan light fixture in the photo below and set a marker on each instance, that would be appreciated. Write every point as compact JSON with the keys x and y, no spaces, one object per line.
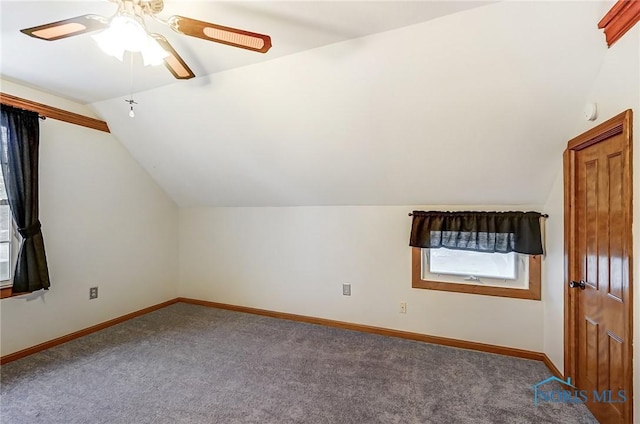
{"x":152,"y":53}
{"x":127,"y":33}
{"x":109,"y":42}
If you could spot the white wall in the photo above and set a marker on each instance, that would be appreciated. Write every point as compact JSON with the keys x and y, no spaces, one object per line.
{"x":295,"y":259}
{"x":616,"y":89}
{"x":105,"y":223}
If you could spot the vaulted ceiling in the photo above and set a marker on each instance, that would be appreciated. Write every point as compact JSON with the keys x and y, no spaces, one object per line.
{"x":76,"y":69}
{"x":357,"y":102}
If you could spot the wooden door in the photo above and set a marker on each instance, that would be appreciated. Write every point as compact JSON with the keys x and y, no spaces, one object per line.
{"x":599,"y":296}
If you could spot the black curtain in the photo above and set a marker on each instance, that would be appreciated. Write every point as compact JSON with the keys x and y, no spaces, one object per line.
{"x":500,"y":232}
{"x":20,"y":141}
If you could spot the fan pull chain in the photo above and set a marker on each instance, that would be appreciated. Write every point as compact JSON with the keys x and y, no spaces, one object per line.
{"x":131,"y":101}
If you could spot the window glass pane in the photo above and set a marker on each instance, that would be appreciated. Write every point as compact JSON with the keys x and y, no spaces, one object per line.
{"x":5,"y":223}
{"x":469,"y":263}
{"x":3,"y":192}
{"x":5,"y":213}
{"x":4,"y":154}
{"x":5,"y":261}
{"x":6,"y":220}
{"x":3,"y":159}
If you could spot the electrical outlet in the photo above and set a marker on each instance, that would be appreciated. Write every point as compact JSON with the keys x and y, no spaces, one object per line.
{"x":93,"y":293}
{"x":403,"y":307}
{"x":346,"y":289}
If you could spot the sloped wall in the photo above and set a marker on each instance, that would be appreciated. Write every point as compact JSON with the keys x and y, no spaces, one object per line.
{"x":105,"y":223}
{"x":482,"y":97}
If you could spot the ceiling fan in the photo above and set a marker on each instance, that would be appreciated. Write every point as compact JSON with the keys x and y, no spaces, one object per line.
{"x":126,"y":30}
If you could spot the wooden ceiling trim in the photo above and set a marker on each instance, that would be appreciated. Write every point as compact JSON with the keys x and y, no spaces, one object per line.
{"x":54,"y":112}
{"x":620,"y":19}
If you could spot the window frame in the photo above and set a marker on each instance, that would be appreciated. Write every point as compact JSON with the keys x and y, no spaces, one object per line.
{"x":533,"y":292}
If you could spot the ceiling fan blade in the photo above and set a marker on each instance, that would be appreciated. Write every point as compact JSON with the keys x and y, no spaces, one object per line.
{"x":68,"y":27}
{"x":220,"y":34}
{"x":173,"y":62}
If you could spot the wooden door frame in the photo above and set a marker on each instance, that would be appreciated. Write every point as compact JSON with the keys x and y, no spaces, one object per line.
{"x":619,"y":124}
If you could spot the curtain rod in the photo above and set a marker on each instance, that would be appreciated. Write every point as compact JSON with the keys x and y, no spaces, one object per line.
{"x":543,"y":215}
{"x":41,"y":116}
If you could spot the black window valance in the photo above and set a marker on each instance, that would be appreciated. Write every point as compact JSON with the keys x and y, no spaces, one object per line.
{"x":500,"y":232}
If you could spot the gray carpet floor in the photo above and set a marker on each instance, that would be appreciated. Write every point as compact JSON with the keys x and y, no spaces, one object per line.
{"x":192,"y":364}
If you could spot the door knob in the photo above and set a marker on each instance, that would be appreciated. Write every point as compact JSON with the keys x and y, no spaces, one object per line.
{"x":579,"y":284}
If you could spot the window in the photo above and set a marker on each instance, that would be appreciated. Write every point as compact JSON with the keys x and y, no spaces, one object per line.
{"x":493,"y":274}
{"x":479,"y":252}
{"x":9,"y":242}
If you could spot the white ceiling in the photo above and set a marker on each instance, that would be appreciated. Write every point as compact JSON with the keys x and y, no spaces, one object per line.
{"x":471,"y":108}
{"x":76,"y":69}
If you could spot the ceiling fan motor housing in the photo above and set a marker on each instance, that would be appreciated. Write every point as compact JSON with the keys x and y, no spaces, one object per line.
{"x":152,"y":6}
{"x":156,"y":6}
